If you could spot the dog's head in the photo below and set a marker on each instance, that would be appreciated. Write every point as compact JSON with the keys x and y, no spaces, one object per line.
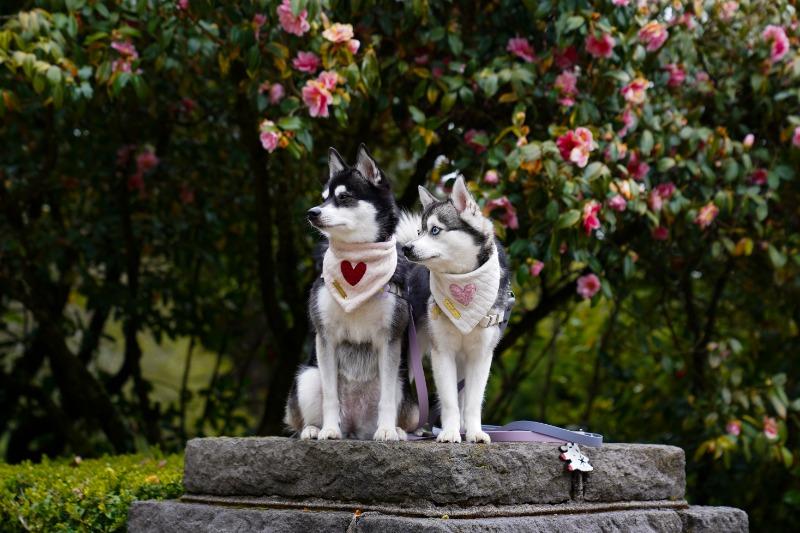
{"x":455,"y":237}
{"x":358,"y":205}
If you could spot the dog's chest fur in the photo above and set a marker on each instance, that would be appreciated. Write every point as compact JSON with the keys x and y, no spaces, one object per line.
{"x":356,"y":335}
{"x":444,"y":335}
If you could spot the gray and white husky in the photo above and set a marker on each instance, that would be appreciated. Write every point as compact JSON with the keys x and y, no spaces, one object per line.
{"x":354,"y":383}
{"x":453,"y":240}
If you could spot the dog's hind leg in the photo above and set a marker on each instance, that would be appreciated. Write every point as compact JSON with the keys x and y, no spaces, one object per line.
{"x":309,"y":402}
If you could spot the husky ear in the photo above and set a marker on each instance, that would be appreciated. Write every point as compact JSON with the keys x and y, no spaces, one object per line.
{"x":462,"y":198}
{"x":426,"y":197}
{"x":367,"y":166}
{"x":335,"y":162}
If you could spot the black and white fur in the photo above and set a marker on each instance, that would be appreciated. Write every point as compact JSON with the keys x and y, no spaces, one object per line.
{"x":453,"y":236}
{"x":354,"y":384}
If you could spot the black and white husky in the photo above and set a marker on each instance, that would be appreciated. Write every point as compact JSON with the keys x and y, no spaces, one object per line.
{"x":353,"y":385}
{"x":459,"y":301}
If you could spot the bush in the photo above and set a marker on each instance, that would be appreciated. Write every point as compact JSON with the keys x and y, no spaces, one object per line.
{"x":88,"y":495}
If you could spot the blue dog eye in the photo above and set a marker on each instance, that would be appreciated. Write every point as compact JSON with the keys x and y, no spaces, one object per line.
{"x":435,"y":230}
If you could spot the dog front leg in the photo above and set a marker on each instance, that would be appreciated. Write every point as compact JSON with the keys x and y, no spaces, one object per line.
{"x":329,"y":378}
{"x":476,"y":375}
{"x":388,"y":371}
{"x":445,"y":375}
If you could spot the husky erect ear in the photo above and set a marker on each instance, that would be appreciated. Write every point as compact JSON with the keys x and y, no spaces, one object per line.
{"x":426,"y":197}
{"x":367,"y":166}
{"x":461,"y":197}
{"x":335,"y":162}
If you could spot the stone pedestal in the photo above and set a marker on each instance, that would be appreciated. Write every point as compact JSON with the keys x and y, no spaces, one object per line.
{"x":279,"y":484}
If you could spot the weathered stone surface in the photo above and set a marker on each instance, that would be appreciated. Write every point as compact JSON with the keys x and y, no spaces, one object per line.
{"x":439,"y":474}
{"x":171,"y":516}
{"x":177,"y":517}
{"x":697,"y":519}
{"x":635,"y":473}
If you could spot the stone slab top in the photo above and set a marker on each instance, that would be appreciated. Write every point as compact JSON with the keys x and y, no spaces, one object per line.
{"x":438,"y":474}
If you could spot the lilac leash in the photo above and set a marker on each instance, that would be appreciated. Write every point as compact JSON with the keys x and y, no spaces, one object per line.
{"x":415,"y":362}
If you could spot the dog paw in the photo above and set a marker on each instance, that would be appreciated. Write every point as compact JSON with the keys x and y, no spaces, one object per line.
{"x":388,"y":433}
{"x":329,"y":433}
{"x":478,"y":436}
{"x":401,"y":434}
{"x":309,"y":432}
{"x":449,"y":435}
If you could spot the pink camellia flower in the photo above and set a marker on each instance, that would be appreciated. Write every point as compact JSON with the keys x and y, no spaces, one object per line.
{"x":728,"y":10}
{"x":422,"y":59}
{"x":136,"y":182}
{"x":566,"y":57}
{"x":628,"y":121}
{"x":588,"y":286}
{"x":146,"y":161}
{"x":291,"y":23}
{"x":676,"y":75}
{"x":520,"y":47}
{"x":182,"y":5}
{"x":665,"y":190}
{"x":653,"y":35}
{"x":770,"y":428}
{"x":617,"y":203}
{"x":536,"y":268}
{"x":509,"y":218}
{"x":706,"y":215}
{"x":638,"y":169}
{"x":339,"y":33}
{"x":590,"y":221}
{"x":353,"y":45}
{"x":491,"y":177}
{"x":621,"y":2}
{"x":469,"y":137}
{"x":269,"y":140}
{"x":575,"y":146}
{"x":566,"y":85}
{"x":759,"y":176}
{"x":276,"y":93}
{"x":120,"y":65}
{"x":306,"y":62}
{"x":259,"y":19}
{"x":734,"y":427}
{"x":602,"y":46}
{"x":749,"y":139}
{"x":661,"y":233}
{"x":655,"y":201}
{"x":328,"y":78}
{"x":634,"y":92}
{"x":796,"y":137}
{"x":775,"y":36}
{"x":317,"y":98}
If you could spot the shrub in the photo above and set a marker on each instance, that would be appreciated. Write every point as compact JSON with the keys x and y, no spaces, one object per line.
{"x":88,"y":495}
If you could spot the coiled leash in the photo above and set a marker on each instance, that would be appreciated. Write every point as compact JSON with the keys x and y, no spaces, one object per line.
{"x":518,"y":431}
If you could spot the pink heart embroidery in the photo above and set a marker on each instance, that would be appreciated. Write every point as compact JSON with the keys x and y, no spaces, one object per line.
{"x":463,"y":294}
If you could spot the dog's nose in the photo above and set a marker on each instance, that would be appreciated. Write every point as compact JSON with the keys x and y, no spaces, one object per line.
{"x":407,"y":249}
{"x":314,"y":213}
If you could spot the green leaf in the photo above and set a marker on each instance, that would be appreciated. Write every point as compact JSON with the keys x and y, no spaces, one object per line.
{"x":416,"y":115}
{"x":370,"y":72}
{"x":595,"y":170}
{"x":290,"y":123}
{"x":646,"y":143}
{"x":573,"y":23}
{"x":665,"y":164}
{"x":448,"y":101}
{"x":54,"y":75}
{"x":568,"y":218}
{"x":455,"y":43}
{"x":777,"y":258}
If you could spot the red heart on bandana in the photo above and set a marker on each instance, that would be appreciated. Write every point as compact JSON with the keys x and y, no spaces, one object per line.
{"x":463,"y":294}
{"x":353,"y":274}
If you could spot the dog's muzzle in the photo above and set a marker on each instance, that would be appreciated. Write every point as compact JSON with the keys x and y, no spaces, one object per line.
{"x":313,"y":214}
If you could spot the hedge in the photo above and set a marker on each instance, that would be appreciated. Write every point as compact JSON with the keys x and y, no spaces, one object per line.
{"x":83,"y":495}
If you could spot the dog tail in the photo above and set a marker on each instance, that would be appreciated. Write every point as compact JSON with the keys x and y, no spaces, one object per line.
{"x":408,"y":227}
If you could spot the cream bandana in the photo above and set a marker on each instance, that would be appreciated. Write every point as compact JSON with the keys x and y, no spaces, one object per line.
{"x":466,"y":298}
{"x":353,"y":273}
